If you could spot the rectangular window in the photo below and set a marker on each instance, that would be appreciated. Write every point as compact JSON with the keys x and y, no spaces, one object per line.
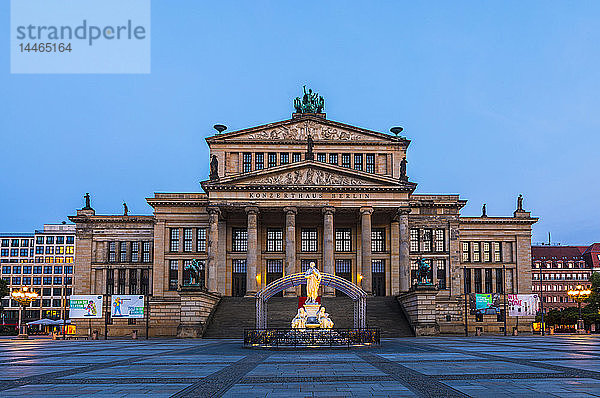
{"x":259,"y":161}
{"x":110,"y":281}
{"x":37,"y":280}
{"x":37,"y":269}
{"x":70,"y":240}
{"x":247,"y":162}
{"x":378,"y":266}
{"x":478,"y":281}
{"x":488,"y":280}
{"x":60,"y":240}
{"x":274,"y":240}
{"x":343,"y":266}
{"x":26,"y":280}
{"x":59,"y":250}
{"x":321,"y":157}
{"x":497,"y":252}
{"x":49,"y":259}
{"x":58,"y":269}
{"x":466,"y":254}
{"x":333,"y":158}
{"x":123,"y":252}
{"x":370,"y":163}
{"x":174,"y":244}
{"x":17,"y":269}
{"x":16,"y":280}
{"x":239,"y":239}
{"x":173,"y":274}
{"x":187,"y":240}
{"x":284,"y":158}
{"x":47,"y":269}
{"x":238,"y":266}
{"x":15,"y":242}
{"x":414,"y":240}
{"x":272,"y":159}
{"x":414,"y":268}
{"x":274,"y":266}
{"x":427,"y":240}
{"x":133,"y":279}
{"x":146,"y":252}
{"x":121,"y":282}
{"x":135,"y":252}
{"x":440,"y":240}
{"x":25,"y":252}
{"x":38,"y":240}
{"x":49,"y":250}
{"x":4,"y":252}
{"x":346,"y":160}
{"x":343,"y":240}
{"x":487,"y":254}
{"x":309,"y":242}
{"x":201,"y":239}
{"x":378,"y":240}
{"x":49,"y":240}
{"x":5,"y":242}
{"x":499,"y":281}
{"x":15,"y":252}
{"x":476,"y":252}
{"x":441,"y":273}
{"x":145,"y":281}
{"x":47,"y":280}
{"x":112,"y":252}
{"x":56,"y":303}
{"x":69,"y":250}
{"x":358,"y":163}
{"x":296,"y":157}
{"x":6,"y":269}
{"x":68,"y":269}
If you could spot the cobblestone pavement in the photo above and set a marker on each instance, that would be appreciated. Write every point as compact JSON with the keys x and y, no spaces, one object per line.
{"x":524,"y":366}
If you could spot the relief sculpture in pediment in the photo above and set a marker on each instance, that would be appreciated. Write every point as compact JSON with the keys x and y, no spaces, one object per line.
{"x":301,"y":132}
{"x":309,"y":176}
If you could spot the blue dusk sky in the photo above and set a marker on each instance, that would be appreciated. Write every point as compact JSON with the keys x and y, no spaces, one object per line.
{"x":498,"y":98}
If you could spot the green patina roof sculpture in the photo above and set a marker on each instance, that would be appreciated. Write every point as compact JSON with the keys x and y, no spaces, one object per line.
{"x":309,"y":103}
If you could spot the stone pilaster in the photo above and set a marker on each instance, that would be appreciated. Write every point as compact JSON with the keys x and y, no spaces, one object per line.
{"x":395,"y":257}
{"x":213,"y":244}
{"x":328,"y":266}
{"x":252,"y":253}
{"x":290,"y":245}
{"x":365,"y":217}
{"x":404,"y":249}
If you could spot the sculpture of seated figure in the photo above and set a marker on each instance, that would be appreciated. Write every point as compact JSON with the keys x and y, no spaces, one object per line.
{"x":324,"y":320}
{"x":299,"y":321}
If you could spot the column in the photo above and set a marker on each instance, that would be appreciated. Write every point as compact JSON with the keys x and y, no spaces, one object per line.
{"x":365,"y":218}
{"x":328,"y":266}
{"x":252,"y":253}
{"x":395,"y":256}
{"x":290,"y":245}
{"x":404,"y":249}
{"x":213,"y":243}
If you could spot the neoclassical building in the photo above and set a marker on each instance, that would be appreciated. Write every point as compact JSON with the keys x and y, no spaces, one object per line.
{"x":283,"y":194}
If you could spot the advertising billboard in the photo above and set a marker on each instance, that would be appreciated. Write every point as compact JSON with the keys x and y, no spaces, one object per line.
{"x":523,"y":304}
{"x":85,"y":306}
{"x":127,"y":306}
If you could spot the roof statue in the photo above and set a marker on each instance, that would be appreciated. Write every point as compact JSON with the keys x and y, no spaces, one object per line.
{"x":87,"y":201}
{"x":125,"y":209}
{"x":520,"y":203}
{"x":309,"y":103}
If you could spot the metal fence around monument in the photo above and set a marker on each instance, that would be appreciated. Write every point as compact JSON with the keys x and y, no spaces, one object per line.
{"x":311,"y":337}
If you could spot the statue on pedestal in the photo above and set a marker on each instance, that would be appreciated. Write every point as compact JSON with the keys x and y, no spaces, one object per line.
{"x":520,"y":203}
{"x":324,"y":320}
{"x":125,"y":209}
{"x":403,"y":176}
{"x":299,"y":321}
{"x":313,"y":280}
{"x":214,"y":168}
{"x":484,"y":211}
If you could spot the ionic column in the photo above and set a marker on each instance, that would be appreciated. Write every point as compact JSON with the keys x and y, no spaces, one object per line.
{"x":252,"y":253}
{"x":213,"y":248}
{"x":395,"y":256}
{"x":290,"y":245}
{"x":404,"y":246}
{"x":328,"y":266}
{"x":365,"y":217}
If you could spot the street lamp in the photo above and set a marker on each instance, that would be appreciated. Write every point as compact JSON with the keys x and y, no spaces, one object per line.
{"x":579,"y":294}
{"x":24,"y":297}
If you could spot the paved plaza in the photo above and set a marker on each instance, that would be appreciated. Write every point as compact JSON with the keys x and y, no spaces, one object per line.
{"x":444,"y":367}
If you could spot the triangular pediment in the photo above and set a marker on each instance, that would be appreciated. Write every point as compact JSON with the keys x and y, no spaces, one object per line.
{"x":299,"y":128}
{"x":308,"y":173}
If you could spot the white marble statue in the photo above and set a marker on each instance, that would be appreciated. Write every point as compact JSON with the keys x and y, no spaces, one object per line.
{"x":299,"y":321}
{"x":324,"y":321}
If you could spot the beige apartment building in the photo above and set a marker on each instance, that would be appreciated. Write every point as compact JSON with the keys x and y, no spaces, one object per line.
{"x":281,"y":195}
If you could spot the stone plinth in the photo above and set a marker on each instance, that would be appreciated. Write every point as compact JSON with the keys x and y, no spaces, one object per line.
{"x":419,"y":305}
{"x":196,"y":308}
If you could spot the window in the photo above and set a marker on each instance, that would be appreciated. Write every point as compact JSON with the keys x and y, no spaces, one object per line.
{"x":487,"y":257}
{"x":476,"y":252}
{"x":497,"y":252}
{"x":123,"y":251}
{"x":68,"y":259}
{"x":5,"y":242}
{"x":358,"y":161}
{"x":427,"y":240}
{"x":187,"y":240}
{"x":488,"y":280}
{"x":296,"y":157}
{"x":414,"y":240}
{"x":15,"y":252}
{"x":144,"y":281}
{"x":37,"y":269}
{"x":47,"y":280}
{"x":57,"y":291}
{"x":378,"y":266}
{"x":414,"y":267}
{"x":238,"y":266}
{"x":112,"y":252}
{"x":69,"y":250}
{"x":110,"y":281}
{"x":37,"y":280}
{"x":6,"y":269}
{"x":133,"y":279}
{"x":49,"y":249}
{"x":58,"y":269}
{"x":174,"y":244}
{"x":466,"y":254}
{"x":247,"y":162}
{"x":370,"y":163}
{"x":308,"y":237}
{"x":58,"y":280}
{"x":60,"y":240}
{"x":27,"y":280}
{"x":321,"y":157}
{"x":346,"y":160}
{"x":499,"y":281}
{"x":343,"y":266}
{"x":333,"y":158}
{"x":274,"y":240}
{"x":17,"y":269}
{"x":343,"y":239}
{"x":441,"y":273}
{"x":259,"y":161}
{"x":47,"y":269}
{"x":38,"y":250}
{"x":272,"y":162}
{"x":49,"y":240}
{"x":201,"y":239}
{"x":135,"y":252}
{"x":25,"y":252}
{"x":14,"y":243}
{"x":68,"y":269}
{"x":173,"y":274}
{"x":284,"y":158}
{"x":478,"y":286}
{"x":4,"y":252}
{"x":439,"y":240}
{"x":378,"y":240}
{"x":16,"y":280}
{"x":239,"y":239}
{"x":27,"y":269}
{"x":70,"y":240}
{"x":146,"y":252}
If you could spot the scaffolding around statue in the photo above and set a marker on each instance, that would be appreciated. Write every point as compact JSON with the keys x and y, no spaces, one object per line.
{"x":358,"y":296}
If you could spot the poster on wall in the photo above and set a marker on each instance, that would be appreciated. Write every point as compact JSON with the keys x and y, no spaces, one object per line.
{"x":485,"y":304}
{"x":127,"y":306}
{"x":523,"y":304}
{"x":85,"y":306}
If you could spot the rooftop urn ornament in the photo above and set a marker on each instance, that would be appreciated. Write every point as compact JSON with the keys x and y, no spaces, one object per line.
{"x":87,"y":201}
{"x":125,"y":209}
{"x":483,"y":211}
{"x":520,"y":203}
{"x":220,"y":128}
{"x":396,"y":130}
{"x":310,"y":155}
{"x":403,"y":176}
{"x":214,"y":168}
{"x":310,"y":102}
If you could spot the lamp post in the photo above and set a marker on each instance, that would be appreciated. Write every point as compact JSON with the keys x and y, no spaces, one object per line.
{"x":24,"y":297}
{"x":579,"y":294}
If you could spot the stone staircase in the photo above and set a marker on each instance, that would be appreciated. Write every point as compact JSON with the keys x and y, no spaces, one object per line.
{"x":234,"y":314}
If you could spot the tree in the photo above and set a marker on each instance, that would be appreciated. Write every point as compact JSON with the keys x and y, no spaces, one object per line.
{"x":594,"y":299}
{"x":4,"y":291}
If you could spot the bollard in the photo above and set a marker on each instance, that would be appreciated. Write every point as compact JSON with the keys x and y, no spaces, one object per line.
{"x":134,"y":335}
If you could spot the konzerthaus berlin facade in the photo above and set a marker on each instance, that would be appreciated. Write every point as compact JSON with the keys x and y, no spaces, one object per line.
{"x":287,"y":193}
